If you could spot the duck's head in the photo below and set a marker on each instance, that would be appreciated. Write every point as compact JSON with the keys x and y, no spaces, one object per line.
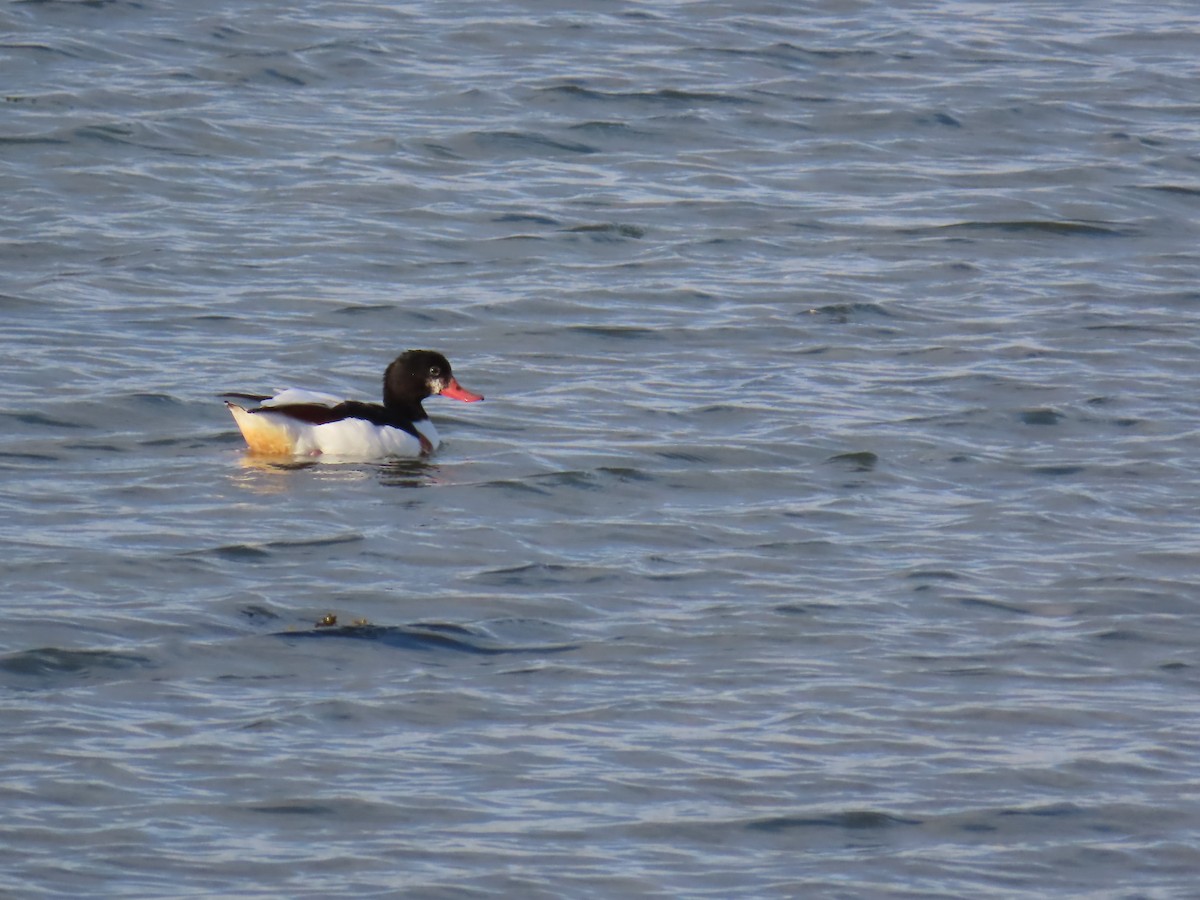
{"x":416,"y":374}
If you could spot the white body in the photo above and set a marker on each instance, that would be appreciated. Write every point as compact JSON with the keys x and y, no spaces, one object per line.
{"x":357,"y":439}
{"x":348,"y":439}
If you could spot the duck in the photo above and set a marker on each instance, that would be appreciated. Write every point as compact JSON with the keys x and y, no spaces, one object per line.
{"x":298,"y":422}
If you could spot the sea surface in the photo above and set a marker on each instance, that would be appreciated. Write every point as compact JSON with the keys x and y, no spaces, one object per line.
{"x":831,"y":527}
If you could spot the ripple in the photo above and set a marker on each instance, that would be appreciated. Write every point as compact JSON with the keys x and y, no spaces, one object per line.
{"x":859,"y":461}
{"x":851,"y":820}
{"x":609,"y":230}
{"x":528,"y":141}
{"x":541,"y":574}
{"x":1036,"y":227}
{"x":245,"y":552}
{"x":1040,"y":416}
{"x":426,"y":636}
{"x":54,"y":661}
{"x":663,"y":96}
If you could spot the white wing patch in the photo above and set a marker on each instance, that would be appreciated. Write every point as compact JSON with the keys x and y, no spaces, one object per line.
{"x":299,"y":395}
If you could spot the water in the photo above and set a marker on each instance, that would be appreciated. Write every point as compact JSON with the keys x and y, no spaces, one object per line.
{"x":830,"y":526}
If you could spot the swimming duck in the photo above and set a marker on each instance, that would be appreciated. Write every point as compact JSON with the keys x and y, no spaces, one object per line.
{"x":307,"y":423}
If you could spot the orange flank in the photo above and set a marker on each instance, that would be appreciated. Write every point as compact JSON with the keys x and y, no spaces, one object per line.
{"x":264,"y":434}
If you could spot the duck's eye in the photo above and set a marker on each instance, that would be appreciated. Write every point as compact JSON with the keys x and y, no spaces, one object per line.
{"x":434,"y":371}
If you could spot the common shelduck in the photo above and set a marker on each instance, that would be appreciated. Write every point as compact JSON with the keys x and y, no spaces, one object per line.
{"x":306,"y":423}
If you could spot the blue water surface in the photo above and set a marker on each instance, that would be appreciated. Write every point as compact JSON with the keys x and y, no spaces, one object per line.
{"x":829,"y":530}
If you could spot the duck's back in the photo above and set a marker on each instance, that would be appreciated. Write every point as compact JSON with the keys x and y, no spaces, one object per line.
{"x":305,"y":423}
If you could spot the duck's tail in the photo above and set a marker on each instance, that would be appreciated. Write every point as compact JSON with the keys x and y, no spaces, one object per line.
{"x":264,"y":433}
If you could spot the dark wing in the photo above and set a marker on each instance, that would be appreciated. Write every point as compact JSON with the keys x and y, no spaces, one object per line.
{"x":312,"y":413}
{"x":316,"y":414}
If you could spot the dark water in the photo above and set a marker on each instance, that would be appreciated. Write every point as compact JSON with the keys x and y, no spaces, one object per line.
{"x":831,"y":527}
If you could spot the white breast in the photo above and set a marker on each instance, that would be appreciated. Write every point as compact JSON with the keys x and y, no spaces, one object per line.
{"x":355,"y":439}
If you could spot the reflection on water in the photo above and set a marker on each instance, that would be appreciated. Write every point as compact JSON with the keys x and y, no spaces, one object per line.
{"x":283,"y":463}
